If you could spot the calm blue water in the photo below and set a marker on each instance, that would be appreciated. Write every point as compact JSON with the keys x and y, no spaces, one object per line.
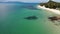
{"x":12,"y":19}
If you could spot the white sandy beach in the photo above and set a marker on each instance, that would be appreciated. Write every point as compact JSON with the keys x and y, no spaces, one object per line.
{"x":52,"y":10}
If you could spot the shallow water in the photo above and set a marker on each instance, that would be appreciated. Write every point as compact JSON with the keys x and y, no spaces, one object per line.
{"x":12,"y":20}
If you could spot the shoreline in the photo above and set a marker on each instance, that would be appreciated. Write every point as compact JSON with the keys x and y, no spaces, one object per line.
{"x":51,"y":10}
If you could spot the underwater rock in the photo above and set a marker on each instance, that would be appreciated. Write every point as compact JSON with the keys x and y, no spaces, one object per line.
{"x":54,"y":18}
{"x":31,"y":17}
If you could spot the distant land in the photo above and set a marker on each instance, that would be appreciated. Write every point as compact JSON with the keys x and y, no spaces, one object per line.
{"x":13,"y":2}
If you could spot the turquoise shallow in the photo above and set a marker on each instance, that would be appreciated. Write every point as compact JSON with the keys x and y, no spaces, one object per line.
{"x":12,"y":20}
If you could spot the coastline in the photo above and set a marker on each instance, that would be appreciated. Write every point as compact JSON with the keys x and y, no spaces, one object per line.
{"x":51,"y":10}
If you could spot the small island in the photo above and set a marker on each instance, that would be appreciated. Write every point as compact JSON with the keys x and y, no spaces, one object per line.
{"x":51,"y":4}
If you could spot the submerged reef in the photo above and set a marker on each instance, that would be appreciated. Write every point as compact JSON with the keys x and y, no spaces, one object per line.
{"x":31,"y":17}
{"x":54,"y":18}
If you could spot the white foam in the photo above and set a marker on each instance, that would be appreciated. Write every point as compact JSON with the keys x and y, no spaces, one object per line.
{"x":52,"y":10}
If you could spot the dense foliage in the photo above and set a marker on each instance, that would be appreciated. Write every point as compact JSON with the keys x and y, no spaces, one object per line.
{"x":51,"y":4}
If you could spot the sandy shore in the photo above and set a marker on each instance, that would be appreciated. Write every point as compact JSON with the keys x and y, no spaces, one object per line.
{"x":51,"y":10}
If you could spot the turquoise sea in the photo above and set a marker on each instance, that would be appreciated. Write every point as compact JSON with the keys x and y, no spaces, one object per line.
{"x":12,"y":19}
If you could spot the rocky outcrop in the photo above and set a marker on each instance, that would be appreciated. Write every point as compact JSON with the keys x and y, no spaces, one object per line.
{"x":51,"y":4}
